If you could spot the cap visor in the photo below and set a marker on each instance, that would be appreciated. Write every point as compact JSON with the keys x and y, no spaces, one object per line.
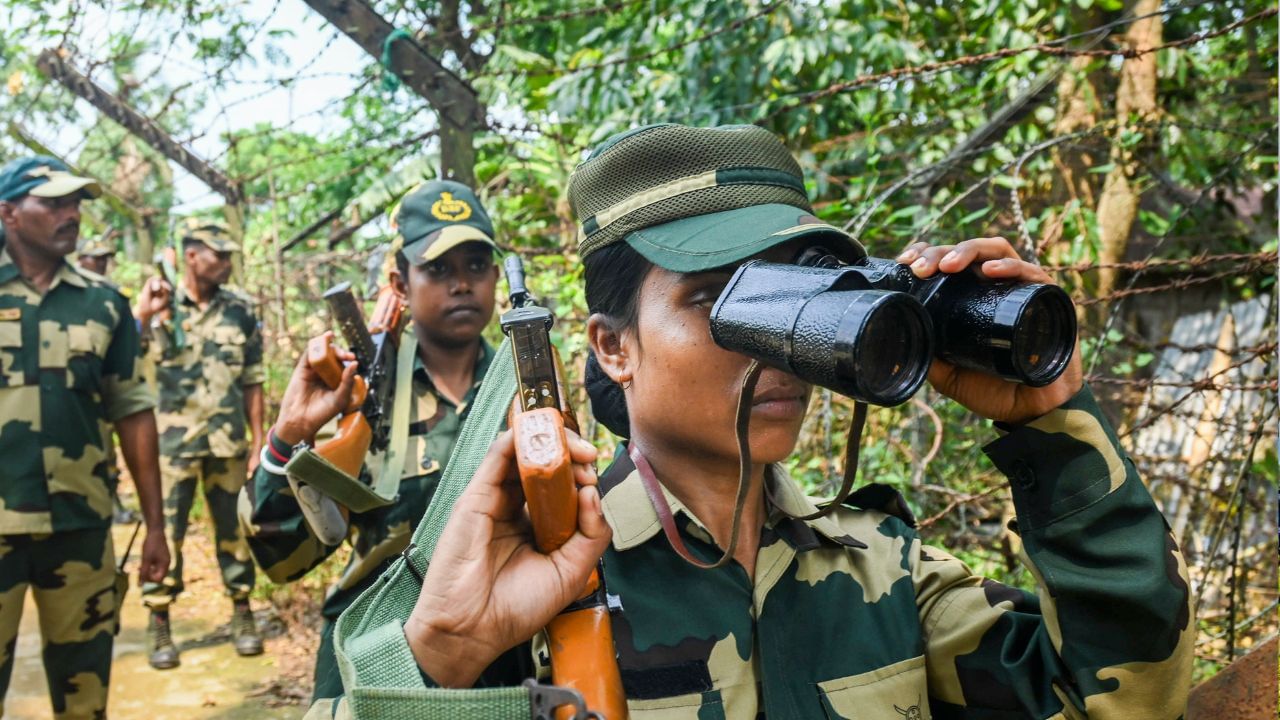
{"x":429,"y":248}
{"x":718,"y":239}
{"x":64,"y":185}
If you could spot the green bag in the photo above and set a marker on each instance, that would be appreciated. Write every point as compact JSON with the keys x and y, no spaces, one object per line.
{"x":379,"y":673}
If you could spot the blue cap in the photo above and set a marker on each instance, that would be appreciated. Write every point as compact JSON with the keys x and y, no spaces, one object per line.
{"x":43,"y":176}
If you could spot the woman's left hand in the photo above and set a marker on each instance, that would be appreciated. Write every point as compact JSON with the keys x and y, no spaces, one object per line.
{"x":987,"y":395}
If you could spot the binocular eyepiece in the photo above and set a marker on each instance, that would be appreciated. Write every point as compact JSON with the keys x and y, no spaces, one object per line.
{"x":871,"y":330}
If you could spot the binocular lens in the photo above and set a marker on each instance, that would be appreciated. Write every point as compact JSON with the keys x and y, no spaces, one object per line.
{"x":888,"y":357}
{"x":1038,"y":348}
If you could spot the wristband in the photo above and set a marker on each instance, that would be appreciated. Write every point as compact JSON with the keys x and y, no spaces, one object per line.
{"x":280,"y":450}
{"x":267,"y":461}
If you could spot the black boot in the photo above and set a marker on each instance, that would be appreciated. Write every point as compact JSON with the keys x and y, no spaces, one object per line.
{"x":164,"y":654}
{"x":244,"y":632}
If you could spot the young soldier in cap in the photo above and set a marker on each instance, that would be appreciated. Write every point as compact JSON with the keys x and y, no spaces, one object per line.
{"x":69,"y":356}
{"x":209,"y":371}
{"x":847,"y":615}
{"x":446,"y":271}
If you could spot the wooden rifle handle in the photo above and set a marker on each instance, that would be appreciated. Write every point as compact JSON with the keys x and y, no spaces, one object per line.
{"x":580,"y":640}
{"x":323,"y":359}
{"x":347,"y":448}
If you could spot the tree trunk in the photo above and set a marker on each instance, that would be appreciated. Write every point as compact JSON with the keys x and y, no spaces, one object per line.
{"x":457,"y":152}
{"x":1135,"y":103}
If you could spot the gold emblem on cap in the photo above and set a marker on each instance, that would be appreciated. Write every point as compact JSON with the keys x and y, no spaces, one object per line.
{"x":446,"y":208}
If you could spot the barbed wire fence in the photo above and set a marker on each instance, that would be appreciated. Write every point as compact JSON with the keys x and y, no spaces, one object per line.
{"x":1184,"y":361}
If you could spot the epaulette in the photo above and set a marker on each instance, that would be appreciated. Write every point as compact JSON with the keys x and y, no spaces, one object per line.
{"x":884,"y":498}
{"x":240,"y":296}
{"x":95,"y":279}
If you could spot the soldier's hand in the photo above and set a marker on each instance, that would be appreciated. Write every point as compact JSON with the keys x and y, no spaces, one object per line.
{"x":987,"y":395}
{"x":154,"y":300}
{"x":155,"y":557}
{"x":488,"y":588}
{"x":309,"y":403}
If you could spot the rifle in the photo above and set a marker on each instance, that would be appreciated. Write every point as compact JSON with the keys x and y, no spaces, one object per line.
{"x":168,"y":333}
{"x":580,"y":638}
{"x":362,"y":426}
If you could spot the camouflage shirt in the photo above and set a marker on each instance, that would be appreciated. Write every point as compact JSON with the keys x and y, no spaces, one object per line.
{"x":68,"y":364}
{"x":281,"y":540}
{"x":852,"y":616}
{"x":201,"y":384}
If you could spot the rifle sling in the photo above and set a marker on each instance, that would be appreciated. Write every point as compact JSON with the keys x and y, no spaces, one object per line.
{"x":387,"y":484}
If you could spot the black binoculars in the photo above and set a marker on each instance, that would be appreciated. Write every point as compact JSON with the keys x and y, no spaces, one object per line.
{"x":870,"y":330}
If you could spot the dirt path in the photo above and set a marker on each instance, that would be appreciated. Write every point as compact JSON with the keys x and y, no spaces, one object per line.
{"x":212,"y":682}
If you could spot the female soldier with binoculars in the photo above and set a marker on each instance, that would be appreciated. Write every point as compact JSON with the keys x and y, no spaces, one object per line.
{"x":733,"y":594}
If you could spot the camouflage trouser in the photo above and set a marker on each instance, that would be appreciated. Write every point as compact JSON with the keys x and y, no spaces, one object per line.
{"x":222,"y":479}
{"x":72,"y":577}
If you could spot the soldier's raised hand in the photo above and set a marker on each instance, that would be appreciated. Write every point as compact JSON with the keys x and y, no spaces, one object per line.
{"x":309,"y":403}
{"x":154,"y":300}
{"x":987,"y":395}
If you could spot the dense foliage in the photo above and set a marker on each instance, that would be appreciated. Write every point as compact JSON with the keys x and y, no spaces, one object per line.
{"x":1034,"y":146}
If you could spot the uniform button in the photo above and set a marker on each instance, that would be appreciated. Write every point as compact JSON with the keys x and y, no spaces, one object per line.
{"x":1023,"y":476}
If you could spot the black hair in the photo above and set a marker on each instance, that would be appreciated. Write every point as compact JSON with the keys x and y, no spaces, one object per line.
{"x":402,"y":265}
{"x":188,"y":243}
{"x":613,"y":276}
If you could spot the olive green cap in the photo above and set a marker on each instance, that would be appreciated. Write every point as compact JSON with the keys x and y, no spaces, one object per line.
{"x":437,"y":216}
{"x":215,"y":235}
{"x":97,"y":247}
{"x":691,"y":199}
{"x":43,"y":176}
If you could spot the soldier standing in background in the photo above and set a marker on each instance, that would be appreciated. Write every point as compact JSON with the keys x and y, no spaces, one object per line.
{"x":209,"y":373}
{"x":69,"y":356}
{"x":96,"y":256}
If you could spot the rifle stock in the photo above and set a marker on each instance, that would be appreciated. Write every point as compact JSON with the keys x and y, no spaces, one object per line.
{"x":580,"y":638}
{"x":349,"y":445}
{"x":360,"y":426}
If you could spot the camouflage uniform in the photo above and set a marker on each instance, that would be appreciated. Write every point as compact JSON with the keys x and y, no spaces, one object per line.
{"x":285,"y":547}
{"x":852,"y":616}
{"x":95,"y":248}
{"x":68,"y":363}
{"x":202,"y":431}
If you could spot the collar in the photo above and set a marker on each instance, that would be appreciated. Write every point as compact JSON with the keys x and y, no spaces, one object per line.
{"x":483,"y":361}
{"x":185,"y":299}
{"x":66,"y":271}
{"x":8,"y":270}
{"x":634,"y":521}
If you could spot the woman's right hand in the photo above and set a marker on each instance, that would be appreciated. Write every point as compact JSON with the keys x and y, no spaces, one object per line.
{"x":487,"y":587}
{"x":309,"y":403}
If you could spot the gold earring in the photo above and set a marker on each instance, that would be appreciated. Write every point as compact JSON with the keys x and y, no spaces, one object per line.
{"x":625,"y":382}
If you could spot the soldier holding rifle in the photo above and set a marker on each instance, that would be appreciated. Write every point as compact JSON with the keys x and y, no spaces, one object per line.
{"x":446,"y":272}
{"x":207,"y":345}
{"x":735,"y":595}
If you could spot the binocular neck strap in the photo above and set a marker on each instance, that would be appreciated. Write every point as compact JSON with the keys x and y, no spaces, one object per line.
{"x":659,"y":501}
{"x":850,"y":468}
